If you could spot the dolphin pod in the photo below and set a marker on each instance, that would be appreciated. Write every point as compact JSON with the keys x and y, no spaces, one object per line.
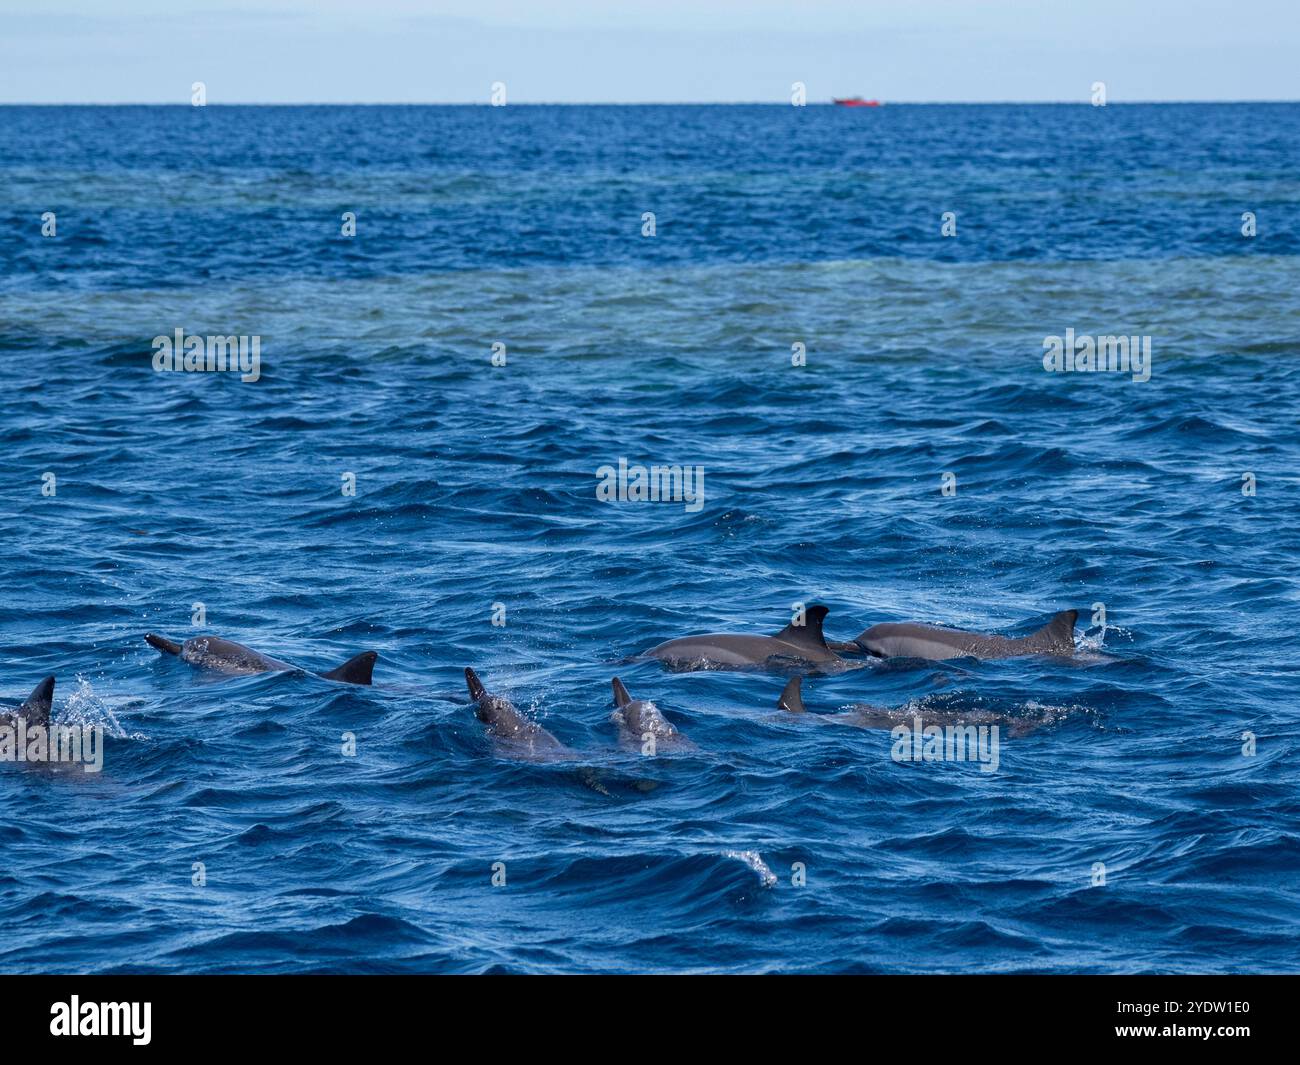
{"x":226,"y":656}
{"x":797,"y":646}
{"x":638,"y":721}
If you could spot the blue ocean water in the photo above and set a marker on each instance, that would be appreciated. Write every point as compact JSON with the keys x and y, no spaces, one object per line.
{"x":476,"y":485}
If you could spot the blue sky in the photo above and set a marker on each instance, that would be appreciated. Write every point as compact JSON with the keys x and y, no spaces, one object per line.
{"x":404,"y":51}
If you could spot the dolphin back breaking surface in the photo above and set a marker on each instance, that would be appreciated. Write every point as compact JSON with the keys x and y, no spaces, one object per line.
{"x":524,"y":737}
{"x":920,"y":714}
{"x":797,"y":644}
{"x":640,"y":722}
{"x":35,"y":709}
{"x":912,"y":640}
{"x":227,"y":656}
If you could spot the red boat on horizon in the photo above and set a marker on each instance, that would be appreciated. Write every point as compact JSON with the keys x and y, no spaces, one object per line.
{"x":854,"y":101}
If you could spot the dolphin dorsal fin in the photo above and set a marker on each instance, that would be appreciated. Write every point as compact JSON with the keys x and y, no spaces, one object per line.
{"x":476,"y":689}
{"x":1057,"y":634}
{"x":37,"y":707}
{"x":809,"y":634}
{"x":621,"y":697}
{"x":356,"y":670}
{"x":791,"y":698}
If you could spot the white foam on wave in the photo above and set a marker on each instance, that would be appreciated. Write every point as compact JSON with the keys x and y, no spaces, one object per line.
{"x":755,"y":862}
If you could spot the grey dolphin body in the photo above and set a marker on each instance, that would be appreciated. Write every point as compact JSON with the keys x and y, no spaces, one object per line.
{"x":864,"y":715}
{"x":506,"y":723}
{"x":639,"y":721}
{"x":226,"y":656}
{"x":35,"y":709}
{"x":793,"y":645}
{"x":911,"y":640}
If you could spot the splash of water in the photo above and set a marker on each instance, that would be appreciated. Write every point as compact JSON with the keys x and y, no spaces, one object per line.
{"x":85,"y":708}
{"x":755,"y":862}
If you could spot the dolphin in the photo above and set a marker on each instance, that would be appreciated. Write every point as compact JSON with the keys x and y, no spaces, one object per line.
{"x":36,"y":709}
{"x":864,"y":715}
{"x":506,"y":723}
{"x":226,"y":656}
{"x":640,"y":720}
{"x":912,"y":640}
{"x":793,"y":645}
{"x":791,"y":698}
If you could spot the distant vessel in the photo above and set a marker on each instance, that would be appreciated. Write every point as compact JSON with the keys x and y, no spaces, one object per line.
{"x":854,"y":101}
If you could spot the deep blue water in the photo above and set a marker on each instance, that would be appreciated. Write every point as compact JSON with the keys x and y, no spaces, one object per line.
{"x":476,"y":485}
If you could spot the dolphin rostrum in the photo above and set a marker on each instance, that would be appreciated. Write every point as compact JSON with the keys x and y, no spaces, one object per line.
{"x":226,"y":656}
{"x":641,"y":722}
{"x":506,"y":723}
{"x":794,"y":645}
{"x":36,"y":709}
{"x":911,"y":640}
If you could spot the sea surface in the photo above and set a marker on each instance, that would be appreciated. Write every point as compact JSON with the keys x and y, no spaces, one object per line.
{"x":922,"y":465}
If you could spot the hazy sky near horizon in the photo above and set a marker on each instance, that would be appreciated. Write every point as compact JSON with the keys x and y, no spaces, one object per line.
{"x":575,"y":51}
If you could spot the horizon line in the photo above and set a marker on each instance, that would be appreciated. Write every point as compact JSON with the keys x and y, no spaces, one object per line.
{"x":632,"y":103}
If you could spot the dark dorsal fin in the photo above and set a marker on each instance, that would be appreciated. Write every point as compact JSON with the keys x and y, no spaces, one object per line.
{"x":355,"y":670}
{"x":809,"y":634}
{"x":791,"y":698}
{"x":162,"y":644}
{"x":1057,"y":634}
{"x":621,"y":697}
{"x":476,"y":689}
{"x":37,"y":707}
